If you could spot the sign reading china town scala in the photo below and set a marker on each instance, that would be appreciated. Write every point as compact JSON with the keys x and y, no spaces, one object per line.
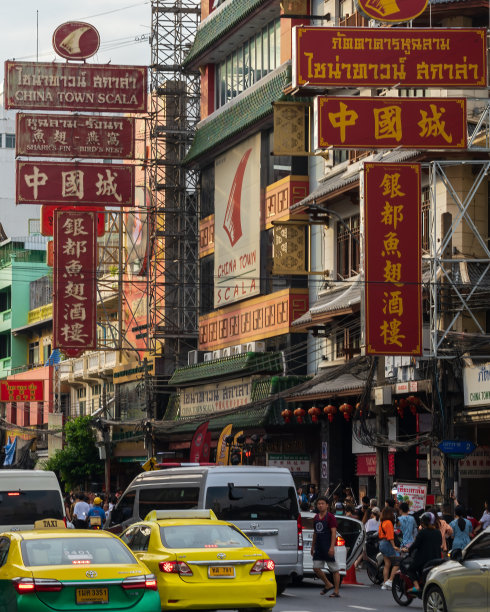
{"x":74,"y":286}
{"x":75,"y":87}
{"x":392,"y":11}
{"x":392,"y":256}
{"x":388,"y":123}
{"x":385,"y":57}
{"x":76,"y":40}
{"x":74,"y":184}
{"x":237,"y":223}
{"x":106,"y":137}
{"x":21,"y":391}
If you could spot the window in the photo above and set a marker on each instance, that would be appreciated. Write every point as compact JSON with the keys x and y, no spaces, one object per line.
{"x":81,"y":392}
{"x":141,"y":538}
{"x":124,"y":509}
{"x":23,"y":507}
{"x":167,"y":498}
{"x":202,"y":536}
{"x":96,"y":389}
{"x":67,"y":551}
{"x":4,"y":550}
{"x":232,"y":503}
{"x":46,"y":352}
{"x":348,"y":243}
{"x":33,"y":358}
{"x":10,"y":141}
{"x":479,"y":549}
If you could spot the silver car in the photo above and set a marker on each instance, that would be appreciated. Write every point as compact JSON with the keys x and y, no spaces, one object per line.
{"x":461,"y":584}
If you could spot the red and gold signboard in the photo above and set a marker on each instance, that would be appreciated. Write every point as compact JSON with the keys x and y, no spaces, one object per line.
{"x":393,"y":259}
{"x":74,"y":291}
{"x":93,"y":137}
{"x":73,"y":184}
{"x":384,"y":57}
{"x":76,"y":40}
{"x":21,"y":391}
{"x":47,"y":218}
{"x":388,"y":123}
{"x":392,"y":11}
{"x":75,"y":87}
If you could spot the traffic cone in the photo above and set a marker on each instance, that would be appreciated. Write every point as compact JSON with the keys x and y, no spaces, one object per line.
{"x":350,"y":576}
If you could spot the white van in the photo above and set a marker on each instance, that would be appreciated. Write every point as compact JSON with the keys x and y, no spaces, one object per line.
{"x":27,"y":496}
{"x":261,"y":501}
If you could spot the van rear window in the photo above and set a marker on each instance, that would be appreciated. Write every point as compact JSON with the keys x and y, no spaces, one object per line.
{"x":167,"y":498}
{"x":26,"y":507}
{"x":235,"y":503}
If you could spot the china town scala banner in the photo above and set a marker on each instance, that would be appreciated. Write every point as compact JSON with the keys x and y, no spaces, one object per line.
{"x":74,"y":291}
{"x":388,"y":123}
{"x":385,"y":57}
{"x":392,"y":259}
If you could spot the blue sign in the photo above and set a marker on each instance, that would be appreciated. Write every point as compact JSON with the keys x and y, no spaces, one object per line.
{"x":456,"y":447}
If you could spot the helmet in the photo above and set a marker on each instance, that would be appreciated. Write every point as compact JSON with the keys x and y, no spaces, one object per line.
{"x":97,"y":501}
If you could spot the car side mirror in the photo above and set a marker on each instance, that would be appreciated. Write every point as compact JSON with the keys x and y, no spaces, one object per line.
{"x":456,"y":555}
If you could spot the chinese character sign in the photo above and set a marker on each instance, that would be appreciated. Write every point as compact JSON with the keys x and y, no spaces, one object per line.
{"x":47,"y":218}
{"x":385,"y":57}
{"x":21,"y":391}
{"x":392,"y":259}
{"x":75,"y":262}
{"x":388,"y":123}
{"x":74,"y":184}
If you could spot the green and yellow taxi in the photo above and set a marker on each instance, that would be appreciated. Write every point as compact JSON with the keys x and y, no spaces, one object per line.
{"x":202,"y":563}
{"x":58,"y":569}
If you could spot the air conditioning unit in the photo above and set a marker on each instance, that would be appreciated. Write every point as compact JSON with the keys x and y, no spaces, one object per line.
{"x":192,"y":357}
{"x":208,"y":356}
{"x":236,"y":350}
{"x":226,"y":352}
{"x":255,"y":347}
{"x":217,"y":354}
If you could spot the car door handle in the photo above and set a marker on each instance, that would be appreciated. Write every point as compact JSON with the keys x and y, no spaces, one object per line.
{"x":269,"y":532}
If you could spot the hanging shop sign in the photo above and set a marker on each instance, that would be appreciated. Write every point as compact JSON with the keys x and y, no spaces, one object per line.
{"x":21,"y":391}
{"x":237,"y":223}
{"x":47,"y":218}
{"x":476,"y":385}
{"x":389,"y":123}
{"x":366,"y":464}
{"x":75,"y":87}
{"x":393,"y":255}
{"x":74,"y":184}
{"x":105,"y":137}
{"x":375,"y":57}
{"x":76,"y":40}
{"x":413,"y":494}
{"x":476,"y":465}
{"x":74,"y":287}
{"x":207,"y":399}
{"x":392,"y":11}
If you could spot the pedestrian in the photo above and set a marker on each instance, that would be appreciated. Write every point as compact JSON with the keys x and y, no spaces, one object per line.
{"x":97,"y":512}
{"x":426,"y":547}
{"x":461,"y":527}
{"x":80,"y":511}
{"x":372,"y":524}
{"x":387,"y":545}
{"x":408,"y":526}
{"x":350,"y":511}
{"x":339,"y":508}
{"x":68,"y":504}
{"x":323,"y":547}
{"x":446,"y":532}
{"x":363,"y":508}
{"x":475,"y":523}
{"x":302,"y":499}
{"x":485,"y":518}
{"x":312,"y":494}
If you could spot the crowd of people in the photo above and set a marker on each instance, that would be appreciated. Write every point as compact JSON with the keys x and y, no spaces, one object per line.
{"x":84,"y":510}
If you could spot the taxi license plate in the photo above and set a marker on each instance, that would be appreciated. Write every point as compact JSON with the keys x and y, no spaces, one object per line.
{"x":92,"y":596}
{"x":223,"y":571}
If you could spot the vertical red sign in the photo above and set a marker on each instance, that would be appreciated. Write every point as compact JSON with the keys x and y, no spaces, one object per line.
{"x":74,"y":300}
{"x":393,"y":259}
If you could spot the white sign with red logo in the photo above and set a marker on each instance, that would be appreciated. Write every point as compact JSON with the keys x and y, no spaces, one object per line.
{"x":412,"y":493}
{"x":237,"y":223}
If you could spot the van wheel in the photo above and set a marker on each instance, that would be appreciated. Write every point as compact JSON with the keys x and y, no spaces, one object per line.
{"x":282,"y":582}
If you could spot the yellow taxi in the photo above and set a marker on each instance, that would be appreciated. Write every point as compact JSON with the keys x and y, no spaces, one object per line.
{"x":52,"y":568}
{"x":202,"y":563}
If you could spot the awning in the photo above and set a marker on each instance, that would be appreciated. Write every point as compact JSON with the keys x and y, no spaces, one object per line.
{"x":331,"y":304}
{"x":32,"y":326}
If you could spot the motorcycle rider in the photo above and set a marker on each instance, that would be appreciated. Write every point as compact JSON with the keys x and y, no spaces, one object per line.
{"x":96,"y":511}
{"x":426,"y":547}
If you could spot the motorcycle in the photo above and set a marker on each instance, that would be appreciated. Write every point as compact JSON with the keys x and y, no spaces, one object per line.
{"x":95,"y":522}
{"x":374,"y":559}
{"x":403,"y":584}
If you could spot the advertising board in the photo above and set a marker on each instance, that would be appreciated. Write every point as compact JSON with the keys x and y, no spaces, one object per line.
{"x":413,"y":494}
{"x":21,"y":391}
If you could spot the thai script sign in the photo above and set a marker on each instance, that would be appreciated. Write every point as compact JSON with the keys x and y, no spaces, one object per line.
{"x":413,"y":494}
{"x":77,"y":87}
{"x":410,"y":57}
{"x":206,"y":399}
{"x":298,"y":464}
{"x":47,"y":218}
{"x":40,"y":135}
{"x":392,"y":255}
{"x":21,"y":391}
{"x":392,"y":11}
{"x":74,"y":184}
{"x":74,"y":291}
{"x":388,"y":123}
{"x":476,"y":385}
{"x":76,"y":40}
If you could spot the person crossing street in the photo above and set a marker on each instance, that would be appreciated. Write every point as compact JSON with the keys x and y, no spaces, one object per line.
{"x":323,"y":547}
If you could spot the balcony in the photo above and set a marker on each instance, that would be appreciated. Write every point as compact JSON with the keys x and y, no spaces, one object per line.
{"x":79,"y":368}
{"x":5,"y":320}
{"x":40,"y":314}
{"x":281,"y":195}
{"x":66,"y":371}
{"x":93,"y":365}
{"x":356,"y":20}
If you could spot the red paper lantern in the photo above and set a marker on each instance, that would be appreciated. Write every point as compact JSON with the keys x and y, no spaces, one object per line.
{"x":413,"y":403}
{"x":300,"y":414}
{"x":346,"y":410}
{"x":286,"y":415}
{"x":330,"y":411}
{"x":314,"y":413}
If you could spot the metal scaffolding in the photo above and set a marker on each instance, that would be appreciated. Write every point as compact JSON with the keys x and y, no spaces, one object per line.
{"x":174,"y":202}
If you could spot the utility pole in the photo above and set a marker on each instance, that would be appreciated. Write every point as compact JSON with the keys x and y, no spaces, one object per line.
{"x":382,"y":484}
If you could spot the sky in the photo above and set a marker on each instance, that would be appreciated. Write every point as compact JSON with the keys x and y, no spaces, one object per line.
{"x":124,"y":27}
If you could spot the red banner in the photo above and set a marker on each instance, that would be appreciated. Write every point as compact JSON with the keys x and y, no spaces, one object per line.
{"x":47,"y":218}
{"x":366,"y":464}
{"x":75,"y":87}
{"x":74,"y":291}
{"x":389,"y":123}
{"x":21,"y":391}
{"x":392,"y":259}
{"x":40,"y":135}
{"x":64,"y":183}
{"x":198,"y":443}
{"x":384,"y":57}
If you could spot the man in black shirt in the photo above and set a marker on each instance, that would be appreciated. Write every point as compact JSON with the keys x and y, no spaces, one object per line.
{"x":323,"y":547}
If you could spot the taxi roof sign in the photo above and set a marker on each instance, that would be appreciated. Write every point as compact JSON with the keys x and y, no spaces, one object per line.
{"x":49,"y":523}
{"x":159,"y":515}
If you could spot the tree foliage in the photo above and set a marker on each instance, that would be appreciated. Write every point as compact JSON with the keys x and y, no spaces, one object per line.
{"x":79,"y":461}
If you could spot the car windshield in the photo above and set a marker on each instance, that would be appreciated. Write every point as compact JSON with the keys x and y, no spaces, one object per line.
{"x":85,"y":550}
{"x":237,"y":503}
{"x":25,"y":507}
{"x":202,"y":536}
